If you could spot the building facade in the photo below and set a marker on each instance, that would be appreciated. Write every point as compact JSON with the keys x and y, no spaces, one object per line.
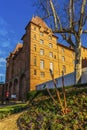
{"x":2,"y":96}
{"x":29,"y":64}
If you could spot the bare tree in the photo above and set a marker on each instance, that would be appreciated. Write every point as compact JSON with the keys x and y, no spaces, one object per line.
{"x":67,"y":18}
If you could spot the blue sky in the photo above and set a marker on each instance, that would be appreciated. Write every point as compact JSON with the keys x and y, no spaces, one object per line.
{"x":14,"y":16}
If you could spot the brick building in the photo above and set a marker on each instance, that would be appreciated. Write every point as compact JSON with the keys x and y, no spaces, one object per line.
{"x":2,"y":93}
{"x":29,"y":64}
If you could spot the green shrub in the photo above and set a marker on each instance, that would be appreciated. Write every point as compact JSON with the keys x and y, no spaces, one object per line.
{"x":34,"y":94}
{"x":47,"y":116}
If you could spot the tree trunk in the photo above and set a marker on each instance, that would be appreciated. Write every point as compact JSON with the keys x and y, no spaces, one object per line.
{"x":78,"y":62}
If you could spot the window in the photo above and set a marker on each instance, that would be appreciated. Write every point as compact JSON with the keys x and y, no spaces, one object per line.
{"x":42,"y":74}
{"x":35,"y":72}
{"x":34,"y":28}
{"x":54,"y":56}
{"x":74,"y":62}
{"x":64,"y":68}
{"x":41,"y":64}
{"x":34,"y":36}
{"x":50,"y":45}
{"x":51,"y":66}
{"x":41,"y":34}
{"x":62,"y":49}
{"x":35,"y":61}
{"x":63,"y":58}
{"x":41,"y":42}
{"x":41,"y":52}
{"x":34,"y":47}
{"x":51,"y":54}
{"x":50,"y":37}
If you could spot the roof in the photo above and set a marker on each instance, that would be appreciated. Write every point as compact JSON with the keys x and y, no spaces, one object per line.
{"x":84,"y":47}
{"x":18,"y":47}
{"x":67,"y":47}
{"x":39,"y":22}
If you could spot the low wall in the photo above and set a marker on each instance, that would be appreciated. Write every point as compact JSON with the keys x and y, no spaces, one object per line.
{"x":84,"y":75}
{"x":69,"y":79}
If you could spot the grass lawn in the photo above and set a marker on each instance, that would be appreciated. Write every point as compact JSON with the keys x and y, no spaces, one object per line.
{"x":11,"y":109}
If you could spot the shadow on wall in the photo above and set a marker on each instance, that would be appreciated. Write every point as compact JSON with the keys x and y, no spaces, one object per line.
{"x":84,"y":62}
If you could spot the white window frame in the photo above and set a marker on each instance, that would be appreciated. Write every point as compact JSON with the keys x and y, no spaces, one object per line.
{"x":41,"y":64}
{"x":51,"y":66}
{"x":41,"y":51}
{"x":35,"y":36}
{"x":51,"y":54}
{"x":34,"y":47}
{"x":35,"y":61}
{"x":42,"y":74}
{"x":63,"y":50}
{"x":41,"y":41}
{"x":64,"y":68}
{"x":63,"y":58}
{"x":50,"y":45}
{"x":50,"y":37}
{"x":41,"y":34}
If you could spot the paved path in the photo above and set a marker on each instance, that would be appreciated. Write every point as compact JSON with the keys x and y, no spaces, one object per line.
{"x":10,"y":123}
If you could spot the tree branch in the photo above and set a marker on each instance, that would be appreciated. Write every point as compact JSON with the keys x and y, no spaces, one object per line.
{"x":47,"y":10}
{"x":71,"y":13}
{"x":82,"y":16}
{"x":59,"y":22}
{"x":64,"y":31}
{"x":84,"y":31}
{"x":84,"y":21}
{"x":68,"y":39}
{"x":54,"y":14}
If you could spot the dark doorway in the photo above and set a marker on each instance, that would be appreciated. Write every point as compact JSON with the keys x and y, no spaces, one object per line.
{"x":22,"y":87}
